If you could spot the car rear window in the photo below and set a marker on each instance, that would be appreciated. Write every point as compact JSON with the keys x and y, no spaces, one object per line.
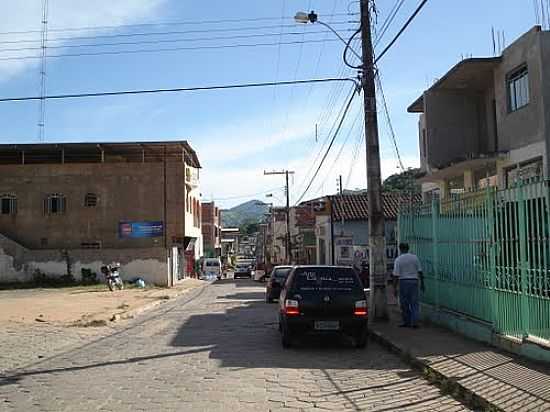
{"x":281,"y":273}
{"x":212,"y":263}
{"x":326,"y":279}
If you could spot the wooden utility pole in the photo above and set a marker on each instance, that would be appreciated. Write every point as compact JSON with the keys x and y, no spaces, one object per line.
{"x":288,"y":246}
{"x":377,"y":264}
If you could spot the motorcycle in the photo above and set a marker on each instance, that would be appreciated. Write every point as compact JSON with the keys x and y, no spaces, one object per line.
{"x":112,"y":276}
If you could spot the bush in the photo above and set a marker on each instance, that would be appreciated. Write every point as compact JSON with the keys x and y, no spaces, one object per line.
{"x":88,"y":277}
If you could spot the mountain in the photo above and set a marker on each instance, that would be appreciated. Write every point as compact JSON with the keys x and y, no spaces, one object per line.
{"x":249,"y":212}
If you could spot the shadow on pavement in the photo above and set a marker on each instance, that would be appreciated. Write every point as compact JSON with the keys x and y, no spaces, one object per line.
{"x":15,"y":377}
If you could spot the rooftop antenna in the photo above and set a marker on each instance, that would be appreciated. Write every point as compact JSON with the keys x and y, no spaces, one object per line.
{"x":493,"y":38}
{"x":43,"y":46}
{"x":537,"y":14}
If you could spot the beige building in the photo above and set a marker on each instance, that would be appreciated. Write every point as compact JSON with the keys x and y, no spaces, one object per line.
{"x":137,"y":203}
{"x":487,"y":120}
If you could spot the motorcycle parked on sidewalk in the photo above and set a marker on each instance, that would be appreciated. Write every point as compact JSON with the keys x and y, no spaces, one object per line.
{"x":112,"y":276}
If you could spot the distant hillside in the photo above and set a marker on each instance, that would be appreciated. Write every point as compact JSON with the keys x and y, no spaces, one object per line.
{"x":248,"y":212}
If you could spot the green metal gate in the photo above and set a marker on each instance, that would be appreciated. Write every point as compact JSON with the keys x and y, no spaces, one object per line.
{"x":486,"y":254}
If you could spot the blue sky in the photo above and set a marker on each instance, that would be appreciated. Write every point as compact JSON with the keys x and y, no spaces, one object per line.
{"x":237,"y":133}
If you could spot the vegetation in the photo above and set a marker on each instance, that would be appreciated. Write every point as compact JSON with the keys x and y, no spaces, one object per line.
{"x":402,"y":182}
{"x":248,"y":212}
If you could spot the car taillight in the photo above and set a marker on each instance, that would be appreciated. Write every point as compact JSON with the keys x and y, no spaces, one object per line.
{"x":360,"y":308}
{"x":291,"y":307}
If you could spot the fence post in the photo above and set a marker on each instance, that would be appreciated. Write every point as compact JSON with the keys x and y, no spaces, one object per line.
{"x":492,"y":263}
{"x":435,"y":251}
{"x":523,"y":264}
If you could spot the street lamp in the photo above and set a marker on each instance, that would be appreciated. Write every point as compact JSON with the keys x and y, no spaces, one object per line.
{"x":312,"y":17}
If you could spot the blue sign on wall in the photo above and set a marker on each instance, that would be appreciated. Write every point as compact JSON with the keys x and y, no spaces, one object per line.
{"x":140,"y":229}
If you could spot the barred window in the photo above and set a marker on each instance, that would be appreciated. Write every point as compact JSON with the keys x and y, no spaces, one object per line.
{"x":90,"y":200}
{"x":8,"y":205}
{"x":55,"y":204}
{"x":518,"y":89}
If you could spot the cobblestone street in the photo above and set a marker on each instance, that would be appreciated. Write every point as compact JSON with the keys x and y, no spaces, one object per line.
{"x":216,"y":348}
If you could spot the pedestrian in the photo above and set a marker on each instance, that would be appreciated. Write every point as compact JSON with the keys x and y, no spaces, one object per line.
{"x":408,"y":272}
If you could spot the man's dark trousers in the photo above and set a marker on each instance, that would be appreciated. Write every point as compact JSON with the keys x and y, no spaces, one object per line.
{"x":408,"y":297}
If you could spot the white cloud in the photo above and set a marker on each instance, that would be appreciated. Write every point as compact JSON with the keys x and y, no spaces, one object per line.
{"x":20,"y":16}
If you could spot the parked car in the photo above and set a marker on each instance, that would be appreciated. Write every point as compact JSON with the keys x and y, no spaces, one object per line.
{"x":323,"y":300}
{"x":242,"y":270}
{"x":275,"y":283}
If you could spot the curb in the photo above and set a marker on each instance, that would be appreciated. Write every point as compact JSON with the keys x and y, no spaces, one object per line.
{"x":446,"y":384}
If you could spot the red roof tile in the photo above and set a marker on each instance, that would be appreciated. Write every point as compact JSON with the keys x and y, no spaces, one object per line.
{"x":355,"y":206}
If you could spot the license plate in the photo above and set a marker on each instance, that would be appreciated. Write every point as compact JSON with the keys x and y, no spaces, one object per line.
{"x":327,"y":325}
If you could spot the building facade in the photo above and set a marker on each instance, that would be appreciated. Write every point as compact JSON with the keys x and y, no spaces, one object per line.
{"x":486,"y":122}
{"x":129,"y":202}
{"x":342,"y":229}
{"x":211,"y":229}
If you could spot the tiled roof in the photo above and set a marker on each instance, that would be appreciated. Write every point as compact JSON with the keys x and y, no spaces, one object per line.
{"x":355,"y":207}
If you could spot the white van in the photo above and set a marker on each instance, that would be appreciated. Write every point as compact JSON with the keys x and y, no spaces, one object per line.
{"x":212,"y":268}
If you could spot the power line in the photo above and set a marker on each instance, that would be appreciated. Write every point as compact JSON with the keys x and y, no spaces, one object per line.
{"x":160,"y":41}
{"x":400,"y":32}
{"x":169,"y":49}
{"x":388,"y":120}
{"x":358,"y":144}
{"x":331,"y":143}
{"x":179,"y":89}
{"x":44,"y":40}
{"x":389,"y":20}
{"x":248,"y":195}
{"x":174,"y":23}
{"x":164,"y":33}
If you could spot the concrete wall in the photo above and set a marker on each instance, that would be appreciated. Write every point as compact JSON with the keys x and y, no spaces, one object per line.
{"x":151,"y":264}
{"x":126,"y":191}
{"x":455,"y":126}
{"x":526,"y":125}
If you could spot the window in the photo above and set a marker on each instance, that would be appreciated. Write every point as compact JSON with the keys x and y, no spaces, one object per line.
{"x":55,"y":204}
{"x":90,"y":200}
{"x":8,"y":205}
{"x":518,"y":89}
{"x":91,"y":245}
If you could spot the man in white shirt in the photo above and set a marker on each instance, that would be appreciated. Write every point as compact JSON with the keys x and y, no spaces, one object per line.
{"x":408,"y":272}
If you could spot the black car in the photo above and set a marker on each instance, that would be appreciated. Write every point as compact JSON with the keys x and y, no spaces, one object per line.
{"x":276,"y":281}
{"x":323,"y":300}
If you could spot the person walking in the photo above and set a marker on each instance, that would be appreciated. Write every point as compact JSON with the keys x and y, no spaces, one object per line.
{"x":407,"y":271}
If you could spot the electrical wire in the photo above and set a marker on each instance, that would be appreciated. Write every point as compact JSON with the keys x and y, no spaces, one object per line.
{"x":174,"y":23}
{"x":353,"y":94}
{"x":356,"y":150}
{"x":179,"y":89}
{"x":162,"y":50}
{"x":389,"y":20}
{"x":163,"y":33}
{"x":388,"y":120}
{"x":400,"y":32}
{"x":248,"y":195}
{"x":160,"y":41}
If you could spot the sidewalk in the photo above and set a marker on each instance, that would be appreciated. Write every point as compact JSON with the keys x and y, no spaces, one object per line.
{"x":483,"y":375}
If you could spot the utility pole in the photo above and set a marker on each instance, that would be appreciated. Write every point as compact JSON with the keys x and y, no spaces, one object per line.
{"x":378,"y":300}
{"x":286,"y":173}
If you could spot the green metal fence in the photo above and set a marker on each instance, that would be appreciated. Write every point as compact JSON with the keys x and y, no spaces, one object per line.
{"x":486,"y":254}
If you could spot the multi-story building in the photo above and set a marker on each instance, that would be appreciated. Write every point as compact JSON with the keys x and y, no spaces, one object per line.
{"x":276,"y":240}
{"x":302,"y":233}
{"x":211,"y":229}
{"x":487,"y":120}
{"x":90,"y":204}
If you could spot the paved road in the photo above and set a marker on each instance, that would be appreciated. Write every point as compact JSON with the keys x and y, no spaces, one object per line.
{"x":217,"y":349}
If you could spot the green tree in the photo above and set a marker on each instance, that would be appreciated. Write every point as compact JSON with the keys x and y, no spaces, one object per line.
{"x":402,"y":182}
